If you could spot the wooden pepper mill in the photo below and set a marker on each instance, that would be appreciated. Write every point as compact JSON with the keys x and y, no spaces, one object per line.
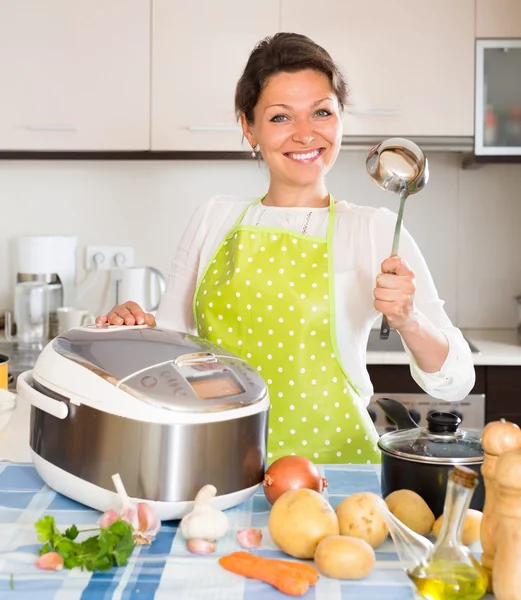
{"x":506,"y":571}
{"x":497,"y":438}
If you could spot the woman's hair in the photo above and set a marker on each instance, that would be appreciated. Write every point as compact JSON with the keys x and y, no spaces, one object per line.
{"x":284,"y":53}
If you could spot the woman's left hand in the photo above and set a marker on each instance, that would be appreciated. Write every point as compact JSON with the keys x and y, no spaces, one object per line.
{"x":394,"y":292}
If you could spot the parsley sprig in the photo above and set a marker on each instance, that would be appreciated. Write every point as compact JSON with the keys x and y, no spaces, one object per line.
{"x":111,"y":547}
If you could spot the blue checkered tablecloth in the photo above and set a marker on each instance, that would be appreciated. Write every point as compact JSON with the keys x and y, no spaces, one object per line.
{"x":165,"y":569}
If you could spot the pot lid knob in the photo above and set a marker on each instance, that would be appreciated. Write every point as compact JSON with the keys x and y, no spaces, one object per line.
{"x":441,"y":422}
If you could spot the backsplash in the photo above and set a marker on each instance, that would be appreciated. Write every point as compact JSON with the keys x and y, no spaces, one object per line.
{"x":467,"y":222}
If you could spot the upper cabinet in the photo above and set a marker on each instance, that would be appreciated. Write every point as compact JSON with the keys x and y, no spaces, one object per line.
{"x":498,"y":97}
{"x":409,"y":65}
{"x":498,"y":18}
{"x":74,"y":75}
{"x":199,"y":50}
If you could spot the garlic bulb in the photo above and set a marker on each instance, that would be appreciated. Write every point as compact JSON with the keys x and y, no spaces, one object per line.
{"x":144,"y":520}
{"x":205,"y":522}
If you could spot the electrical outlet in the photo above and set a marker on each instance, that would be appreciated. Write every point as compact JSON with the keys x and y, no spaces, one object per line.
{"x":109,"y":257}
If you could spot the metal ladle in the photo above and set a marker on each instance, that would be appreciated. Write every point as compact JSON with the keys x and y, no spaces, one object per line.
{"x":399,"y":166}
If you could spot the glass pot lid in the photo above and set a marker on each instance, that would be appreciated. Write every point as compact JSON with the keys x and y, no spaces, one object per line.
{"x":440,"y":442}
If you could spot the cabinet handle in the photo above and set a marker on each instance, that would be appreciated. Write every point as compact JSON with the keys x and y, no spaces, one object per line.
{"x":376,"y":112}
{"x":52,"y":128}
{"x":214,"y":128}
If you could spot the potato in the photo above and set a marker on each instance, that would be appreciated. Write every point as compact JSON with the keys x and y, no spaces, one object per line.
{"x":358,"y":517}
{"x":412,"y":510}
{"x":299,"y":519}
{"x":471,"y":532}
{"x":342,"y":557}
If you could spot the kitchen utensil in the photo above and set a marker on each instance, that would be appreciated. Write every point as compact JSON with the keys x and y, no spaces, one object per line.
{"x":70,"y":317}
{"x":420,"y":459}
{"x":399,"y":166}
{"x":506,"y":572}
{"x":168,"y":411}
{"x":450,"y":571}
{"x":4,"y":372}
{"x":31,"y":314}
{"x":497,"y":438}
{"x":50,"y":260}
{"x":143,"y":285}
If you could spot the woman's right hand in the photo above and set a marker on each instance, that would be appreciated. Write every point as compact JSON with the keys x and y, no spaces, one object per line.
{"x":129,"y":314}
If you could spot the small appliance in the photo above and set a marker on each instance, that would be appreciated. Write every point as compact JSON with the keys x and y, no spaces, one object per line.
{"x":51,"y":260}
{"x":168,"y":411}
{"x":143,"y":285}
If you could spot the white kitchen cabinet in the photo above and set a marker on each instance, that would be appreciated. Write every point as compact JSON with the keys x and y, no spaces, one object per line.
{"x":409,"y":65}
{"x":199,"y":50}
{"x":75,"y":75}
{"x":498,"y":18}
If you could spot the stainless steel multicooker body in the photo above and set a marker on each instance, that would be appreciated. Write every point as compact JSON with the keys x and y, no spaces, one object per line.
{"x":168,"y":411}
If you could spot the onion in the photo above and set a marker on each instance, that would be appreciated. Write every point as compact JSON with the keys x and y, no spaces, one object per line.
{"x":292,"y":473}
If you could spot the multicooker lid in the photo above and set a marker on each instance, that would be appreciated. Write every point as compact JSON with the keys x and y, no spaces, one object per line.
{"x":167,"y":369}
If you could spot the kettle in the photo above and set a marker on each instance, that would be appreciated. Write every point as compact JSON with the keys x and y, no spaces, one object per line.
{"x":143,"y":285}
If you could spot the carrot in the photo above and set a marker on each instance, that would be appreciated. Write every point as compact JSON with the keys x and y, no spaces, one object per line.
{"x":263,"y":571}
{"x":298,"y":569}
{"x":307,"y":571}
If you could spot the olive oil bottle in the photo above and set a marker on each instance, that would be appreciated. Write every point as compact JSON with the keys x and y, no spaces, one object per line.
{"x":450,"y":572}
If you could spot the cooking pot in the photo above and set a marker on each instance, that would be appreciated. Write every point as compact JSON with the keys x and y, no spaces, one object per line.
{"x":4,"y":374}
{"x":421,"y":458}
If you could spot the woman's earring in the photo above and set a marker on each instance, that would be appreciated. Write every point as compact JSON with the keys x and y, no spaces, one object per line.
{"x":253,"y":153}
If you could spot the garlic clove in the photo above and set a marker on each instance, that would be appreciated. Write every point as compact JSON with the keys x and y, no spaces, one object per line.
{"x":148,"y":519}
{"x":149,"y":524}
{"x":198,"y":546}
{"x":50,"y":561}
{"x":249,"y":538}
{"x":107,"y":518}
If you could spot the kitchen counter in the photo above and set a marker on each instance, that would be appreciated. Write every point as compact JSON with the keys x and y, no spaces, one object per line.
{"x":166,"y":569}
{"x":496,"y":347}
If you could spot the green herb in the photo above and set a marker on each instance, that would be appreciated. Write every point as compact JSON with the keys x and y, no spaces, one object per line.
{"x":11,"y":581}
{"x":111,"y":547}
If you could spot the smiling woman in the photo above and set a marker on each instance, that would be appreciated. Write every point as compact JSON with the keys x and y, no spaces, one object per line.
{"x":294,"y":281}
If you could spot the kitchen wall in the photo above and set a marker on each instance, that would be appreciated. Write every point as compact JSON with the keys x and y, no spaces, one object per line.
{"x":467,"y":222}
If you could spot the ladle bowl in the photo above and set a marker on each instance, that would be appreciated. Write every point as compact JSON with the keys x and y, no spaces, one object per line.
{"x":399,"y":166}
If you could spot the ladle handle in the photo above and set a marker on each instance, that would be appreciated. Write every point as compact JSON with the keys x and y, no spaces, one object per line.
{"x":385,"y":329}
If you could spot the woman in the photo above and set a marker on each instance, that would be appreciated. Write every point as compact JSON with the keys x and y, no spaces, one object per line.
{"x":294,"y":281}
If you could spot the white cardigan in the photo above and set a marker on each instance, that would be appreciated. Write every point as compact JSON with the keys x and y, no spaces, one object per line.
{"x":362,"y":239}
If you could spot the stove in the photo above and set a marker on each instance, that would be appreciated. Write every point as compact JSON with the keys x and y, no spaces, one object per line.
{"x":471,"y":410}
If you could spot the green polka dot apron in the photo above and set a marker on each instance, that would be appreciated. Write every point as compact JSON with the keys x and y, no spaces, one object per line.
{"x":268,"y":295}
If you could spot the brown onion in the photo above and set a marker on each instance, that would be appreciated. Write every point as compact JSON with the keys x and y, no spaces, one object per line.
{"x":291,"y":473}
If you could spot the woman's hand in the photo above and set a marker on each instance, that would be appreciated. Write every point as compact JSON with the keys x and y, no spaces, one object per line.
{"x":129,"y":314}
{"x":394,"y":293}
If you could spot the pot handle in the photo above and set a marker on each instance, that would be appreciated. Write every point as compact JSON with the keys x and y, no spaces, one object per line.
{"x":397,"y":412}
{"x":49,"y":405}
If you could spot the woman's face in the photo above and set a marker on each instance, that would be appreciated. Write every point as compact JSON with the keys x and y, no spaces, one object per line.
{"x":298,"y":127}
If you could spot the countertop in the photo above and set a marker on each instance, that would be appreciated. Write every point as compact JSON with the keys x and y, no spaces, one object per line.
{"x":496,"y":346}
{"x":166,"y":569}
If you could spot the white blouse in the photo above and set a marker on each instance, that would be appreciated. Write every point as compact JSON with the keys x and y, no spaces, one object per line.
{"x":362,"y":239}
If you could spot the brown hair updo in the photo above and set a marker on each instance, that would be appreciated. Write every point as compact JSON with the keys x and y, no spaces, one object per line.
{"x":284,"y":53}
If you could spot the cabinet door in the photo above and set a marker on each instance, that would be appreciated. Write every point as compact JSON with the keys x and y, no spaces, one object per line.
{"x":74,"y":75}
{"x":409,"y":65}
{"x":498,"y":19}
{"x":199,"y":51}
